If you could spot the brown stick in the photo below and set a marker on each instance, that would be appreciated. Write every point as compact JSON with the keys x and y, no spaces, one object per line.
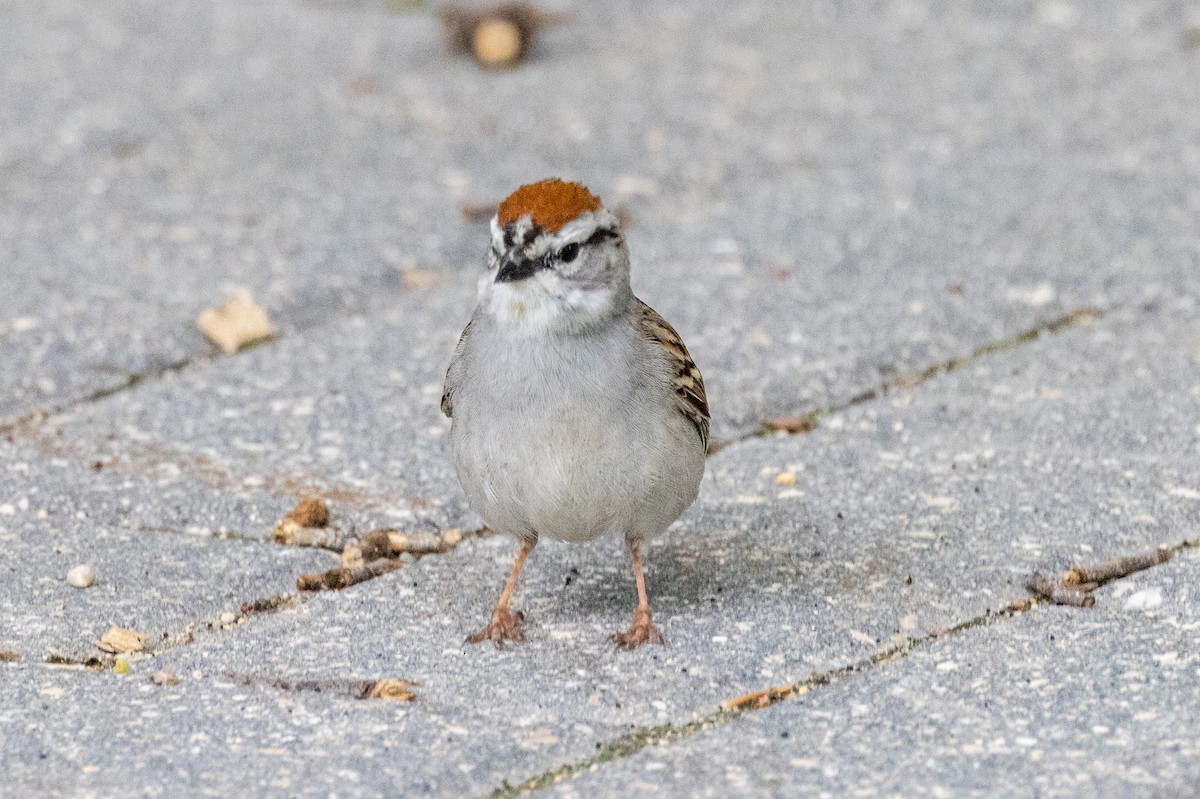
{"x":1058,"y":594}
{"x":393,"y":543}
{"x":344,"y":577}
{"x":1114,"y":569}
{"x":760,"y":699}
{"x":396,"y":690}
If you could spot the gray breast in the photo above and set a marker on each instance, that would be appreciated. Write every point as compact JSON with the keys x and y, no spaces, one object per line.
{"x":572,"y":438}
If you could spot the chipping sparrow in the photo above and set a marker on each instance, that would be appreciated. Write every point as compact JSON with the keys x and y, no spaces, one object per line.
{"x":576,"y":410}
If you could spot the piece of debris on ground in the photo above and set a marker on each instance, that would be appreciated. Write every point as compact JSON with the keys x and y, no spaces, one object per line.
{"x":497,"y":36}
{"x":235,"y":324}
{"x":1115,"y":569}
{"x":119,"y":640}
{"x":342,"y":577}
{"x":307,"y":525}
{"x":1059,"y":594}
{"x":1077,"y":584}
{"x":388,"y":689}
{"x":395,"y":543}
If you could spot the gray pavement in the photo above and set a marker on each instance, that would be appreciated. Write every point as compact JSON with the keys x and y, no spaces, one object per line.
{"x":1053,"y":703}
{"x":962,"y":238}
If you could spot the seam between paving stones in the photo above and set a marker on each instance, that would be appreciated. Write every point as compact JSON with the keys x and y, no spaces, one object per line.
{"x":631,"y":743}
{"x":810,"y":420}
{"x":12,"y":423}
{"x":248,"y":611}
{"x":807,"y":422}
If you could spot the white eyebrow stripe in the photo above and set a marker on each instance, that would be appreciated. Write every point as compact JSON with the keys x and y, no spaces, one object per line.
{"x":577,"y":231}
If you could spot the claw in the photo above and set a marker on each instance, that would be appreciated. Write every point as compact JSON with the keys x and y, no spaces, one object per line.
{"x":641,"y":632}
{"x":504,"y":627}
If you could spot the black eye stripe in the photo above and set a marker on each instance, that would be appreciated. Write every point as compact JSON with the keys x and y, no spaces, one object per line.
{"x":600,"y":235}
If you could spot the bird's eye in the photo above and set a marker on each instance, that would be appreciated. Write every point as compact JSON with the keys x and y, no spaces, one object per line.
{"x":568,"y":253}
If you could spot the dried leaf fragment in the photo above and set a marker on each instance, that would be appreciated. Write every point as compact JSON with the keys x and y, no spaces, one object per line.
{"x":235,"y":324}
{"x":792,"y":425}
{"x":393,"y":690}
{"x":164,"y":678}
{"x":119,"y":640}
{"x":306,"y":525}
{"x":310,"y":512}
{"x":8,"y":656}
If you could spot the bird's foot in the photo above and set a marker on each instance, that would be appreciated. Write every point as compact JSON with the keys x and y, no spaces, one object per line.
{"x":641,"y":632}
{"x":504,"y":627}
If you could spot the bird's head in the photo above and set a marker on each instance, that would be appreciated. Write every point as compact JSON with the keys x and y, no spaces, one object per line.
{"x":557,"y":260}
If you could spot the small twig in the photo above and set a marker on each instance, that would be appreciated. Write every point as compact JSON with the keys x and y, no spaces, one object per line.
{"x":793,"y":425}
{"x":266,"y":605}
{"x":479,"y":212}
{"x":1114,"y":569}
{"x":1059,"y":594}
{"x":395,"y":690}
{"x":761,"y":699}
{"x":344,"y":577}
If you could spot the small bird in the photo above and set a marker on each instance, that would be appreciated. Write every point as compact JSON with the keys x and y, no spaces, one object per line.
{"x":576,"y":410}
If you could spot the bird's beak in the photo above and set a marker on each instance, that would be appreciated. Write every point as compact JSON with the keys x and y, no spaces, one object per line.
{"x":515,"y":266}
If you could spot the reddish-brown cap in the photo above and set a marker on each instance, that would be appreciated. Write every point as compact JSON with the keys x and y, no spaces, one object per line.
{"x":552,"y":203}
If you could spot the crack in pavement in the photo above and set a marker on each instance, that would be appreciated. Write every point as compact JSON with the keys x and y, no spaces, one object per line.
{"x":377,"y":294}
{"x":248,"y":610}
{"x":630,"y":744}
{"x":11,"y":424}
{"x":807,"y":422}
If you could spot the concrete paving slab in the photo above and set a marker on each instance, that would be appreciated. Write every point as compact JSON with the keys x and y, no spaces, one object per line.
{"x":153,"y":573}
{"x":98,"y":735}
{"x":891,"y":530}
{"x":349,"y":413}
{"x":1056,"y":702}
{"x":861,"y":192}
{"x":167,"y":586}
{"x":822,"y":201}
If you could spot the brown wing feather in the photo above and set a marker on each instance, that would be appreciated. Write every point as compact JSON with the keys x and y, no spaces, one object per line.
{"x":447,"y":389}
{"x":686,"y":378}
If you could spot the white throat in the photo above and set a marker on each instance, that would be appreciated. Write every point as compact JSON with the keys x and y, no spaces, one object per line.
{"x":529,"y":306}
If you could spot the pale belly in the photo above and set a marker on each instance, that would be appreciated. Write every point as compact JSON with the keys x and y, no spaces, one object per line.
{"x":577,"y":460}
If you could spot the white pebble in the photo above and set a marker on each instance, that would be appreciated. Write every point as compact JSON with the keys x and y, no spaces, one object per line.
{"x":82,"y":576}
{"x":228,"y":617}
{"x":1145,"y":599}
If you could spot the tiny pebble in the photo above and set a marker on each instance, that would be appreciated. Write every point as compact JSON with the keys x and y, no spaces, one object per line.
{"x":82,"y":576}
{"x":228,"y":617}
{"x":164,"y":678}
{"x":1145,"y":599}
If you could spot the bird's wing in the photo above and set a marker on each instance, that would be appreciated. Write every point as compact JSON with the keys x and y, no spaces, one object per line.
{"x":686,"y":379}
{"x":452,"y":373}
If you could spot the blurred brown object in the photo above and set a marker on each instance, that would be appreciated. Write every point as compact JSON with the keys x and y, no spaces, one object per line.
{"x":498,"y":36}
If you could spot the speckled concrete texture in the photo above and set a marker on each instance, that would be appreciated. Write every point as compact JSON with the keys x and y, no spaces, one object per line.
{"x":958,"y":240}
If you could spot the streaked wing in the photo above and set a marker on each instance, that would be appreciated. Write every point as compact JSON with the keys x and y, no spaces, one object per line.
{"x":686,"y":379}
{"x":451,"y":373}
